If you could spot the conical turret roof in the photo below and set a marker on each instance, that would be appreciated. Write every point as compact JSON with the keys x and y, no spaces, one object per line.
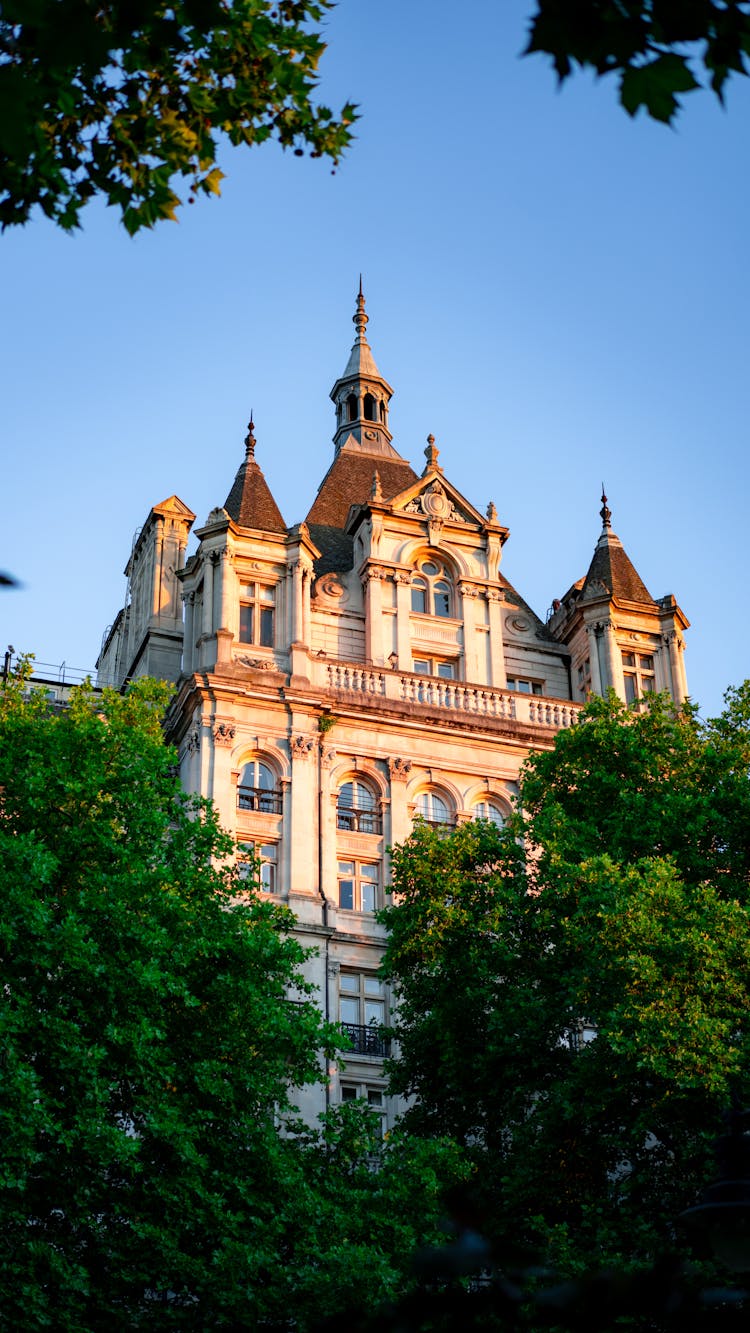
{"x":250,"y":503}
{"x":611,"y":571}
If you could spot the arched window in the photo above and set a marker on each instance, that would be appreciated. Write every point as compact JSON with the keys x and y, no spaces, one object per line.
{"x":433,"y":809}
{"x":258,"y":789}
{"x":357,"y":808}
{"x":371,"y":408}
{"x":351,"y":407}
{"x":489,"y":810}
{"x":432,"y":589}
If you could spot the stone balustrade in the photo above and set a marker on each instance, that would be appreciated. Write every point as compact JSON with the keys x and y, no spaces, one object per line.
{"x":455,"y":696}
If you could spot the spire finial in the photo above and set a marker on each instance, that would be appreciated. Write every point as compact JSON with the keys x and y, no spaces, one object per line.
{"x":376,"y":493}
{"x":431,"y":453}
{"x":606,"y":514}
{"x":250,"y":439}
{"x":360,"y":319}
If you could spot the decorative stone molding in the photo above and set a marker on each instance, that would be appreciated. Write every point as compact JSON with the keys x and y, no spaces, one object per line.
{"x":516,"y":624}
{"x":224,"y":734}
{"x":399,"y":769}
{"x":401,"y":576}
{"x":375,"y":574}
{"x":193,"y":741}
{"x":327,"y":755}
{"x":301,"y":747}
{"x":257,"y":663}
{"x":468,"y":589}
{"x":494,"y":594}
{"x":330,"y":586}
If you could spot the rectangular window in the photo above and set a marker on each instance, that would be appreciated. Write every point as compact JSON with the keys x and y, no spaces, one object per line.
{"x":248,"y":853}
{"x":522,"y":686}
{"x":435,"y":666}
{"x":256,"y":614}
{"x":370,"y":1093}
{"x":359,"y":886}
{"x":639,"y":676}
{"x":362,"y":1012}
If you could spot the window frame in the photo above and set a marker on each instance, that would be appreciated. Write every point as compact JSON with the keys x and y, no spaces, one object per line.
{"x":358,"y":880}
{"x":490,"y":803}
{"x":255,"y":796}
{"x":536,"y":687}
{"x":355,"y":817}
{"x":433,"y":586}
{"x":257,"y":615}
{"x":636,"y":673}
{"x":251,"y":851}
{"x":428,"y":795}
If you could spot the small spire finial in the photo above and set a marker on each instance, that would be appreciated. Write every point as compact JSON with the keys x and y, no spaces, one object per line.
{"x":431,"y":453}
{"x":360,"y":319}
{"x":376,"y":492}
{"x":250,"y":439}
{"x":606,"y":514}
{"x":491,"y":512}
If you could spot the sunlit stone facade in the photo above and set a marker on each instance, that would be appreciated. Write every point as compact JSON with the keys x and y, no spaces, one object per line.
{"x":338,"y":678}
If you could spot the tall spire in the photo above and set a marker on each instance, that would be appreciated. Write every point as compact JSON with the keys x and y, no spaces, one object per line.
{"x":250,"y":503}
{"x":611,"y":572}
{"x":362,"y":395}
{"x":605,"y":513}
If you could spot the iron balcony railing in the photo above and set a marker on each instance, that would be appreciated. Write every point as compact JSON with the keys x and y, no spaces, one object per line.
{"x":259,"y":798}
{"x":359,"y":821}
{"x":366,"y":1040}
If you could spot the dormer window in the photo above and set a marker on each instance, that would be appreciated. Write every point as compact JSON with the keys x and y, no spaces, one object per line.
{"x":432,"y":590}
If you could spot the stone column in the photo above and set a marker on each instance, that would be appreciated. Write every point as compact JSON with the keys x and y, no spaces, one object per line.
{"x":374,"y":615}
{"x":676,"y":666}
{"x":498,"y":675}
{"x":402,"y":579}
{"x":400,"y":820}
{"x":596,"y":672}
{"x":473,"y":670}
{"x":208,"y":595}
{"x":188,"y":640}
{"x":612,"y":660}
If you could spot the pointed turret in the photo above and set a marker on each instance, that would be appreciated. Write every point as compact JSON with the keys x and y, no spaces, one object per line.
{"x":611,"y":572}
{"x":362,"y":396}
{"x":250,"y":503}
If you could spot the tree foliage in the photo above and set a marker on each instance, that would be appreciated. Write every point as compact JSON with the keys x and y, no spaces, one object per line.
{"x":119,"y":99}
{"x":614,"y":903}
{"x":660,"y":49}
{"x":155,"y":1174}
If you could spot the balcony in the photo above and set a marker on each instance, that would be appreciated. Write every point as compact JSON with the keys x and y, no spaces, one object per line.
{"x":262,"y":800}
{"x":359,"y":821}
{"x":375,"y":686}
{"x":366,"y":1040}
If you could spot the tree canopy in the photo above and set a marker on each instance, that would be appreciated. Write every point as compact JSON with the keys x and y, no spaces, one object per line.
{"x":572,"y":989}
{"x":120,"y":100}
{"x":660,"y":49}
{"x":154,"y":1029}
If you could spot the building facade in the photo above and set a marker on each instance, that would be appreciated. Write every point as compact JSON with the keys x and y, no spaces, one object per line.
{"x":339,"y":678}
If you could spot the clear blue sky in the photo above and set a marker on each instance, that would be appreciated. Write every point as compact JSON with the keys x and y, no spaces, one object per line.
{"x":558,"y":293}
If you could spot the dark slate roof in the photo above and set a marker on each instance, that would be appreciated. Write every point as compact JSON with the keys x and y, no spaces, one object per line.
{"x":250,"y":503}
{"x":613,"y":569}
{"x":348,"y":481}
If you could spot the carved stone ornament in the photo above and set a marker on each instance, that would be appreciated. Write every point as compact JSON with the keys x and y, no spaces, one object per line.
{"x":327,"y":756}
{"x":375,"y":574}
{"x":331,"y":586}
{"x":494,"y":595}
{"x":224,"y":734}
{"x":435,"y":531}
{"x":193,"y":741}
{"x":257,"y":663}
{"x":516,"y":624}
{"x":301,"y":747}
{"x":401,"y":576}
{"x":399,"y":769}
{"x":468,"y":590}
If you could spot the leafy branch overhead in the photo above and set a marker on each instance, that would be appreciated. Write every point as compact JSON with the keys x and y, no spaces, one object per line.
{"x":118,"y":99}
{"x":659,"y":48}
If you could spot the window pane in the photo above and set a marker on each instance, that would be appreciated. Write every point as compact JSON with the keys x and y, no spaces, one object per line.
{"x":631,"y":692}
{"x":421,"y":666}
{"x":647,"y":663}
{"x":348,"y":981}
{"x":266,"y":627}
{"x":628,"y":659}
{"x":445,"y":669}
{"x":374,"y":1012}
{"x":442,"y":599}
{"x":418,"y":597}
{"x":369,"y":897}
{"x":374,"y":1097}
{"x":349,"y":1010}
{"x":346,"y":894}
{"x":246,"y":623}
{"x":348,"y":1094}
{"x":373,"y":986}
{"x":265,"y":593}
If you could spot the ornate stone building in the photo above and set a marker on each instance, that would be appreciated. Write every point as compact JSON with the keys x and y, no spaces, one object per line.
{"x":338,"y":678}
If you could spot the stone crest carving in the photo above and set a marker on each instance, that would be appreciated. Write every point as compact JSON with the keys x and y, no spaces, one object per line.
{"x":434,"y":503}
{"x":223,"y":734}
{"x":193,"y":741}
{"x":516,"y":624}
{"x":301,"y":747}
{"x":399,"y":769}
{"x":331,"y":587}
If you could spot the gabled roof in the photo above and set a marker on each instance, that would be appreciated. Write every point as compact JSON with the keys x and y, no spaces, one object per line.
{"x":250,"y":503}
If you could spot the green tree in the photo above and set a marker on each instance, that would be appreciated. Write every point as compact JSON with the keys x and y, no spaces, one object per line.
{"x":155,"y":1173}
{"x":660,"y":49}
{"x":119,"y":99}
{"x":625,"y":917}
